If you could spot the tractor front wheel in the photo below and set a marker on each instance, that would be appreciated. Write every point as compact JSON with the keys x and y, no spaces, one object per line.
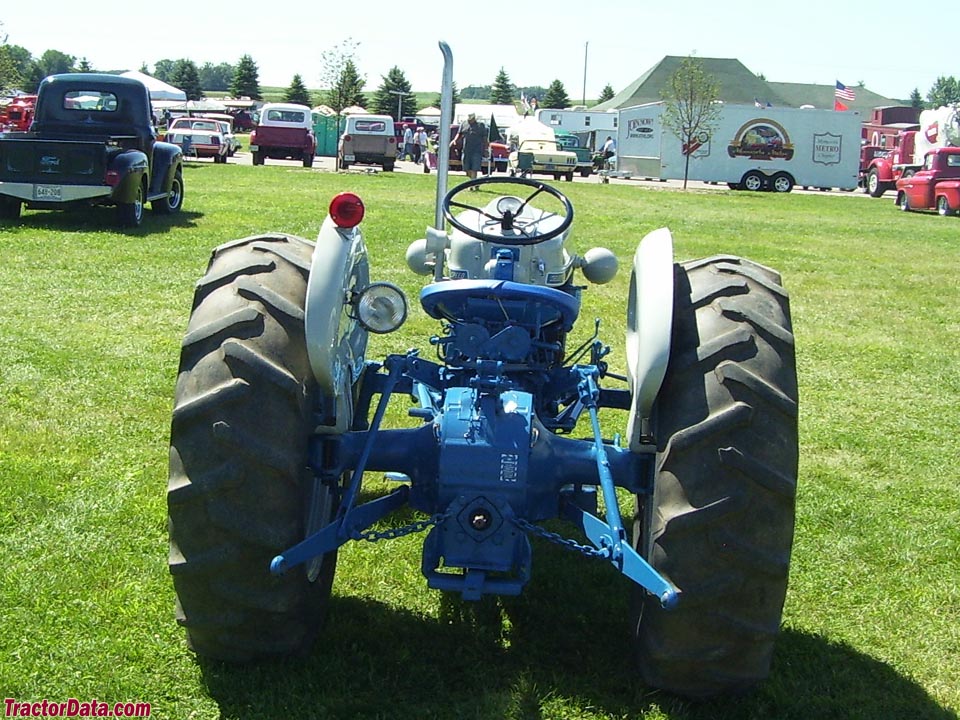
{"x":240,"y":488}
{"x":720,"y":522}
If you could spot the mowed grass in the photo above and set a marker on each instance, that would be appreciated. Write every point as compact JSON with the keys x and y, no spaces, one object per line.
{"x":89,"y":345}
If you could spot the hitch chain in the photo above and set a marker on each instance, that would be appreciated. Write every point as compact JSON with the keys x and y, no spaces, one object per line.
{"x":394,"y":533}
{"x":587,"y":550}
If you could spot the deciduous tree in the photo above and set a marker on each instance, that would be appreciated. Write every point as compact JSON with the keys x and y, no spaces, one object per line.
{"x":340,"y":75}
{"x":691,"y":110}
{"x":186,"y":77}
{"x":945,"y":91}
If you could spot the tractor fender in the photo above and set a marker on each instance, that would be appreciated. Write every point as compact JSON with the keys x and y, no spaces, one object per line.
{"x":336,"y":343}
{"x":649,"y":324}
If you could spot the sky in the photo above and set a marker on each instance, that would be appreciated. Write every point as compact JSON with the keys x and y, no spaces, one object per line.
{"x":585,"y":45}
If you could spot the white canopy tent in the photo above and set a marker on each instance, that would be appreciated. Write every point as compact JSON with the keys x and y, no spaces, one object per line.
{"x":159,"y":90}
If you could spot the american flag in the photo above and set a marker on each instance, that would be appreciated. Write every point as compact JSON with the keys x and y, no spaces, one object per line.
{"x":843,"y":92}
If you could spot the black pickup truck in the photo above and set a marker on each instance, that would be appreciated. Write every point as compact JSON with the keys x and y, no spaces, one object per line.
{"x":92,"y":142}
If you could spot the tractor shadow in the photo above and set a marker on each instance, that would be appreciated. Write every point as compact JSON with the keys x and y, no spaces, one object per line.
{"x":565,"y":641}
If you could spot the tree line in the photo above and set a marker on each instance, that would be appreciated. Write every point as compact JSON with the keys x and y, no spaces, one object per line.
{"x":339,"y":74}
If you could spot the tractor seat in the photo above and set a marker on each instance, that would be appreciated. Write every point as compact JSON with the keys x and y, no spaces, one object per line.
{"x":499,"y":300}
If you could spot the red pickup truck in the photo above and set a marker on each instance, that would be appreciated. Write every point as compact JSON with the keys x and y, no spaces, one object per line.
{"x":285,"y":131}
{"x":936,"y":185}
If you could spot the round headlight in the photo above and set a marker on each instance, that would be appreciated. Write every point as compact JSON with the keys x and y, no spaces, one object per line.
{"x":381,"y":308}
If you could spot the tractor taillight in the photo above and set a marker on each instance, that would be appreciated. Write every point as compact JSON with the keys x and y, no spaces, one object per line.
{"x":112,"y":178}
{"x":346,"y":209}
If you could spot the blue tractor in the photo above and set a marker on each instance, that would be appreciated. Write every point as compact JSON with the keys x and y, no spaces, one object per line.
{"x":279,"y":414}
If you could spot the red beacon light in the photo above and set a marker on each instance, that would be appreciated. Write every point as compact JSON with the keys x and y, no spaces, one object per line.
{"x":346,"y":209}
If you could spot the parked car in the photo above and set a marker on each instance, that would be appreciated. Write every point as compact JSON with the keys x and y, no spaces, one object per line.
{"x":284,"y":131}
{"x":225,"y":122}
{"x":198,"y":137}
{"x":536,"y":151}
{"x":368,"y":140}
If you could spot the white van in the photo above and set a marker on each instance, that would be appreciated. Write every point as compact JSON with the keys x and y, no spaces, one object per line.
{"x":368,"y":140}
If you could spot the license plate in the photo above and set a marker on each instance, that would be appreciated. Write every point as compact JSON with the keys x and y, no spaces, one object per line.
{"x":549,"y":166}
{"x":47,"y":192}
{"x":254,"y":148}
{"x":349,"y":158}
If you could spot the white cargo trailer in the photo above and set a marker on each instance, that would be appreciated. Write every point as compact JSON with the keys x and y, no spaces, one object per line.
{"x":589,"y":125}
{"x":751,"y":148}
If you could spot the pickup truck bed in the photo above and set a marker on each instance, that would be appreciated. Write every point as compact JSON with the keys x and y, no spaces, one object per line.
{"x":91,"y":143}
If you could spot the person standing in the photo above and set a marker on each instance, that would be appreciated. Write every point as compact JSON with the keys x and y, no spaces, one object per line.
{"x":472,"y":141}
{"x":407,"y":142}
{"x":419,"y":144}
{"x":423,"y":144}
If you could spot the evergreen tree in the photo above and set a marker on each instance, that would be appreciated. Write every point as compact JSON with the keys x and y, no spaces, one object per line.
{"x":84,"y":66}
{"x":393,"y":93}
{"x":246,"y":79}
{"x":347,"y":90}
{"x":502,"y":92}
{"x":297,"y":93}
{"x":607,"y":93}
{"x":945,"y":91}
{"x":186,"y":77}
{"x":556,"y":97}
{"x":916,"y":100}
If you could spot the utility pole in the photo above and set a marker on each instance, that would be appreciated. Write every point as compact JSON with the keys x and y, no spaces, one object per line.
{"x":400,"y":95}
{"x":586,"y":45}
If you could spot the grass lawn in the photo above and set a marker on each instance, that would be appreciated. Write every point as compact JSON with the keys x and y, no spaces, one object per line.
{"x":89,"y":346}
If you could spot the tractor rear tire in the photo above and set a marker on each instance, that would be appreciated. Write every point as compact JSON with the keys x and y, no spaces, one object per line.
{"x":720,"y":523}
{"x":240,"y":489}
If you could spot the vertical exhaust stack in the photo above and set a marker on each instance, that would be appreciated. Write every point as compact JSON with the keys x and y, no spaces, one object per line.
{"x":443,"y":152}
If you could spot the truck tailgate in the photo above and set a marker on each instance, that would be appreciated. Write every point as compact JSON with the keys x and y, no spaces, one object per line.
{"x":29,"y":160}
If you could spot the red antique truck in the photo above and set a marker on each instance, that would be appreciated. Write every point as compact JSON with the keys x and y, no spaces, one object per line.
{"x":935,"y":185}
{"x":937,"y":128}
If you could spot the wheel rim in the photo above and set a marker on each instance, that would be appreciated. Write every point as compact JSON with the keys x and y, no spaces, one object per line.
{"x":782,"y":184}
{"x":942,"y":206}
{"x":872,"y":182}
{"x":176,"y":193}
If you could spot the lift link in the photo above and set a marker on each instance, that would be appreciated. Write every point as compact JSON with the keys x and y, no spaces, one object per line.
{"x":610,"y":535}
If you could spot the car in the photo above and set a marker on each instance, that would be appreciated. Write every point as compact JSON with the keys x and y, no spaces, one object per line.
{"x":226,"y":128}
{"x":198,"y":137}
{"x":536,"y":151}
{"x":368,"y":140}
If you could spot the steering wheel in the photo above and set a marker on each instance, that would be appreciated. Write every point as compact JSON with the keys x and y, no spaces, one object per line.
{"x":508,"y":219}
